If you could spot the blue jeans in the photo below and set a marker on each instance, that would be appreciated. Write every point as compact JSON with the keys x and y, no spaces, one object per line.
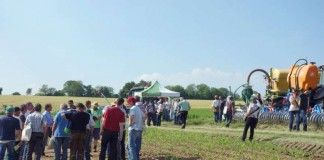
{"x":217,"y":117}
{"x":10,"y":149}
{"x":87,"y":148}
{"x":61,"y":143}
{"x":292,"y":115}
{"x":303,"y":118}
{"x":134,"y":144}
{"x":228,"y":118}
{"x":176,"y":118}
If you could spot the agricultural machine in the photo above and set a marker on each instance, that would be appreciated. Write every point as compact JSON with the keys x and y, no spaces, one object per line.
{"x":280,"y":82}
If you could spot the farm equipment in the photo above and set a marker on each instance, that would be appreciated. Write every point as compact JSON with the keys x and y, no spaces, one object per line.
{"x":281,"y":82}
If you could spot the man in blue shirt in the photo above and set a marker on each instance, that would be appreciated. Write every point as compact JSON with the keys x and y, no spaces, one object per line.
{"x":49,"y":121}
{"x":62,"y":139}
{"x":8,"y":127}
{"x":136,"y":118}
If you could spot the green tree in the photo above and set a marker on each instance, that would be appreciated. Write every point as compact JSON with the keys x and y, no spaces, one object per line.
{"x":215,"y":91}
{"x":0,"y":90}
{"x":191,"y":91}
{"x":73,"y":88}
{"x":224,"y":92}
{"x":16,"y":93}
{"x":46,"y":91}
{"x":59,"y":93}
{"x":124,"y":91}
{"x":203,"y":91}
{"x":177,"y":88}
{"x":28,"y":91}
{"x":89,"y":91}
{"x":43,"y":90}
{"x":105,"y":90}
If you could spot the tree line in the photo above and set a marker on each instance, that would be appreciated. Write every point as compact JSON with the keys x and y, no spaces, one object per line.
{"x":78,"y":89}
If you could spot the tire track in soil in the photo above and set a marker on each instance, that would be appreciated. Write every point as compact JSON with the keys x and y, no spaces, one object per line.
{"x":314,"y":150}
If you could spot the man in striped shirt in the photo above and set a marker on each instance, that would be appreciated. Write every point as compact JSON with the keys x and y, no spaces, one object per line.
{"x":39,"y":129}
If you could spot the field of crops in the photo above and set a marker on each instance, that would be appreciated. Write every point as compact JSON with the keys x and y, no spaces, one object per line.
{"x":204,"y":139}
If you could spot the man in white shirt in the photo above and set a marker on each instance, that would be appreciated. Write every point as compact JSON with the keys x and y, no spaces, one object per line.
{"x":216,"y":109}
{"x":294,"y":100}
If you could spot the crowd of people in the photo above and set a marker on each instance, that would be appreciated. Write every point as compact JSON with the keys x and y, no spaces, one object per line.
{"x":78,"y":127}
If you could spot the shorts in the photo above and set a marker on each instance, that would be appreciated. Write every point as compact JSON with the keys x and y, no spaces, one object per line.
{"x":96,"y":133}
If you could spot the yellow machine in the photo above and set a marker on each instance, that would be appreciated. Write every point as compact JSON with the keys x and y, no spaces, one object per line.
{"x":282,"y":81}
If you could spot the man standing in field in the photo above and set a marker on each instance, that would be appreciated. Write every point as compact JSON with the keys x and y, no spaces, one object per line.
{"x":112,"y":130}
{"x":96,"y":112}
{"x":62,"y":139}
{"x":9,"y":131}
{"x":230,"y":105}
{"x":304,"y":104}
{"x":88,"y":136}
{"x":216,"y":109}
{"x":71,"y":104}
{"x":184,"y":107}
{"x":49,"y":121}
{"x":39,"y":129}
{"x":294,"y":100}
{"x":79,"y":121}
{"x":136,"y":125}
{"x":30,"y":108}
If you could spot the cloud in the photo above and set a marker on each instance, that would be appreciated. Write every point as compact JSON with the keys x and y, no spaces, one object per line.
{"x":211,"y":77}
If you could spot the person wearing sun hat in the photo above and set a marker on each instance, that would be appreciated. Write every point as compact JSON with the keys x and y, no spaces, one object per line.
{"x":9,"y":131}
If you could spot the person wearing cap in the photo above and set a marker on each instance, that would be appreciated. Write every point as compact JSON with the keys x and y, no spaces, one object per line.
{"x":61,"y":139}
{"x":251,"y":117}
{"x":216,"y":109}
{"x":136,"y":125}
{"x":10,"y":130}
{"x":112,"y":130}
{"x":230,"y":104}
{"x":184,"y":107}
{"x":79,"y":121}
{"x":294,"y":100}
{"x":96,"y":112}
{"x":39,"y":128}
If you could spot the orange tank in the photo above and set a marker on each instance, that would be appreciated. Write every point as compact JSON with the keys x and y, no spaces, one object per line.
{"x":306,"y":76}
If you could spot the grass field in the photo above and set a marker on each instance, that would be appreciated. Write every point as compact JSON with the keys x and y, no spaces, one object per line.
{"x":204,"y":139}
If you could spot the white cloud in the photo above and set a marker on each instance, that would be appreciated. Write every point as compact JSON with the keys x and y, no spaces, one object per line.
{"x":214,"y":78}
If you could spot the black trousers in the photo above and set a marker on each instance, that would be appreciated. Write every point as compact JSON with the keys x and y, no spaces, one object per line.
{"x":150,"y":117}
{"x":35,"y":145}
{"x":250,"y":123}
{"x":111,"y":138}
{"x":183,"y":117}
{"x":123,"y":147}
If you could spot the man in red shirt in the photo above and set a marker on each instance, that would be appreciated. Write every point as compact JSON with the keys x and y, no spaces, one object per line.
{"x":112,"y":130}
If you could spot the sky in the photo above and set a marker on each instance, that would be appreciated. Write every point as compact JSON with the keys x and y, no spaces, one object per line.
{"x":106,"y":42}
